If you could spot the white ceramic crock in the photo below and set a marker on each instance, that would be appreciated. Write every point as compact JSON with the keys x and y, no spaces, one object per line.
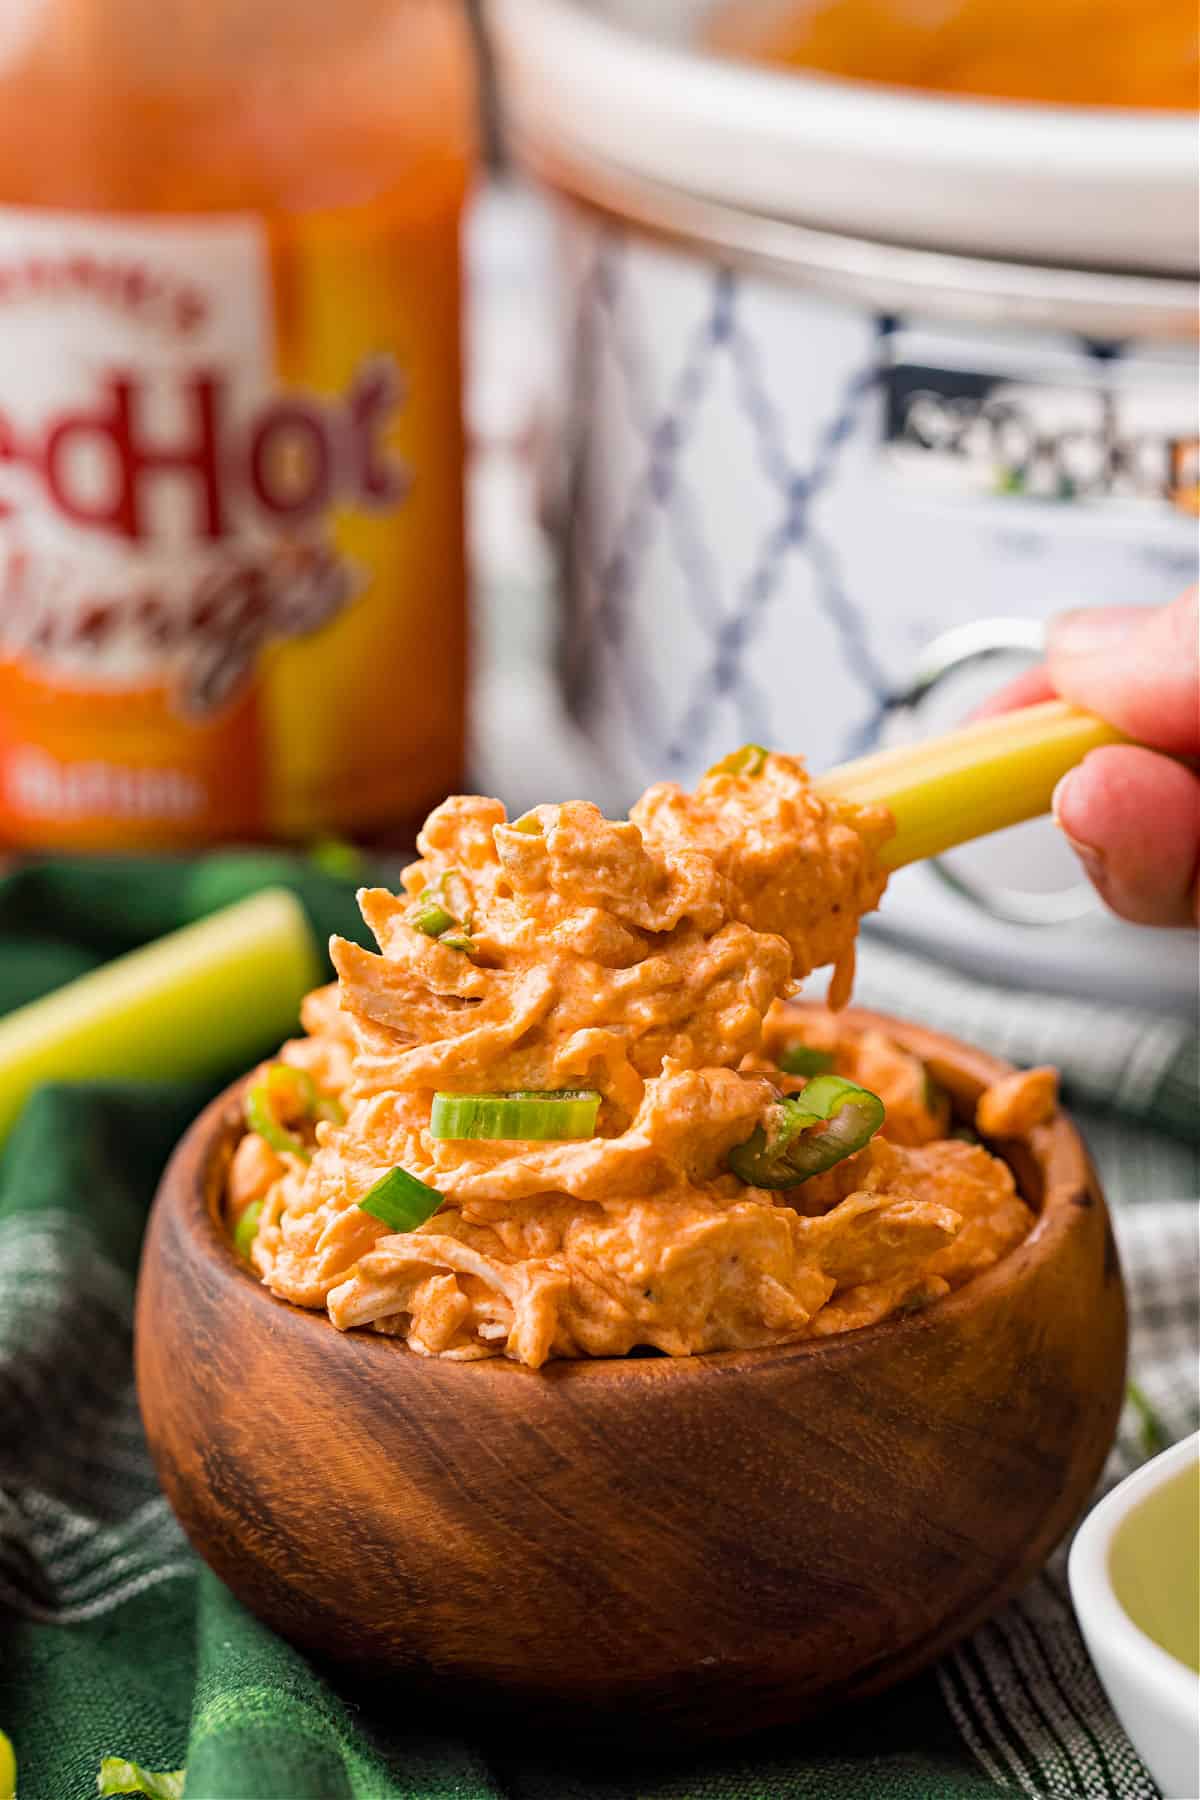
{"x":1155,"y":1695}
{"x":860,"y":385}
{"x":625,"y":85}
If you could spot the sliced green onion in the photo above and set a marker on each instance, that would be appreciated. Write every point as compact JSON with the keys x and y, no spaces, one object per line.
{"x":120,"y":1777}
{"x":431,"y":917}
{"x":751,"y":759}
{"x":788,"y":1150}
{"x":316,"y":1102}
{"x":401,"y":1201}
{"x":295,"y":1090}
{"x":570,"y":1113}
{"x":802,"y":1059}
{"x":262,"y":1117}
{"x":246,"y":1229}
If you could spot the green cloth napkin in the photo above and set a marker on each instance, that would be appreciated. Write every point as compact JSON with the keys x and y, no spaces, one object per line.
{"x":115,"y":1641}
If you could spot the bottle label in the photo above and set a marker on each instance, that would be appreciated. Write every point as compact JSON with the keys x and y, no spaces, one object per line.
{"x":229,"y":526}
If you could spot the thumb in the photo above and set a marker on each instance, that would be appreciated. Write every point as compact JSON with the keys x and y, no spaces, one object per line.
{"x":1137,"y":668}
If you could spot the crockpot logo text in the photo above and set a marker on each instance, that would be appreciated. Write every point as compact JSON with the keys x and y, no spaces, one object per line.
{"x":980,"y":434}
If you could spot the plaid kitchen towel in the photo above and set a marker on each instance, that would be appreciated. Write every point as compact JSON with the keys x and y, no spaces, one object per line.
{"x":114,"y":1641}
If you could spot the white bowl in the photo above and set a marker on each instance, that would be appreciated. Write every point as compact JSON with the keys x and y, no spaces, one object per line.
{"x":1135,"y":1581}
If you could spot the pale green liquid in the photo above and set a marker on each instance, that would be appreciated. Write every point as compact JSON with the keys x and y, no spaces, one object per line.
{"x":1155,"y":1566}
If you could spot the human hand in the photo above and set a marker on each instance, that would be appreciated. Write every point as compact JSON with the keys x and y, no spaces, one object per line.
{"x":1131,"y":814}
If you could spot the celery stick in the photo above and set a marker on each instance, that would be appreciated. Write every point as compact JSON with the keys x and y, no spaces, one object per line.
{"x":197,"y":1002}
{"x":981,"y":778}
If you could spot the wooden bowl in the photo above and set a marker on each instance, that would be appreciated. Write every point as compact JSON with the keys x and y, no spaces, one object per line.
{"x":707,"y":1544}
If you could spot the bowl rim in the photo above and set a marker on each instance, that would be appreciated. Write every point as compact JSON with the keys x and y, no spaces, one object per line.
{"x":1057,"y":1148}
{"x":1144,"y":1663}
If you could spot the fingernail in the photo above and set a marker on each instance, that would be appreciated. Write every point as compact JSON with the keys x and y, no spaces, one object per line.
{"x":1093,"y":628}
{"x":1091,"y":858}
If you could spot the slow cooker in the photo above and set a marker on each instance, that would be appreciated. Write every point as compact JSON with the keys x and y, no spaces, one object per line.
{"x":860,"y":385}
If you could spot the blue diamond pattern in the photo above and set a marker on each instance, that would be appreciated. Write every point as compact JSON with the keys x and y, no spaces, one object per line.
{"x":729,"y":522}
{"x":661,"y":496}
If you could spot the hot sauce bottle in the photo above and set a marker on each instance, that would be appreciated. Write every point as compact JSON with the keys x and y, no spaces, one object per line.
{"x":231,"y":543}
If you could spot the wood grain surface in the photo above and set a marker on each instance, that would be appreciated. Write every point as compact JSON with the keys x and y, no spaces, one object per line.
{"x":703,"y":1545}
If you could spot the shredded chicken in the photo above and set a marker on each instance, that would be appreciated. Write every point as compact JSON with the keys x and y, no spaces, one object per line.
{"x":644,"y":960}
{"x":1013,"y":1106}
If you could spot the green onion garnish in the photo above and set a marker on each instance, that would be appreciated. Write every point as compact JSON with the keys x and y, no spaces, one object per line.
{"x":401,"y":1201}
{"x":529,"y":824}
{"x":751,"y":759}
{"x":431,"y":917}
{"x":457,"y":940}
{"x":279,"y":1083}
{"x":570,"y":1113}
{"x":321,"y":1105}
{"x":788,"y":1150}
{"x":802,"y":1059}
{"x":246,"y":1229}
{"x":295,"y":1091}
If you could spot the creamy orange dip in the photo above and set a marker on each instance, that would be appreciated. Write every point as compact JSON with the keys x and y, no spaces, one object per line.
{"x":645,"y":960}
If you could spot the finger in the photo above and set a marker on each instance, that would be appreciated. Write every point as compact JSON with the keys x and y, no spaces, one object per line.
{"x":1028,"y":689}
{"x":1142,"y":676}
{"x":1133,"y":819}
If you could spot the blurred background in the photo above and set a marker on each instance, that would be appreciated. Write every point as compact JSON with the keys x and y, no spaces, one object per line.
{"x":816,"y":352}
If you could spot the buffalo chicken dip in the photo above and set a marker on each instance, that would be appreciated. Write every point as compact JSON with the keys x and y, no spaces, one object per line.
{"x":563,"y":1110}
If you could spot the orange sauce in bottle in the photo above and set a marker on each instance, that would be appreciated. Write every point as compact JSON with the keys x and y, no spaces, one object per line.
{"x":232,"y":591}
{"x":1124,"y":53}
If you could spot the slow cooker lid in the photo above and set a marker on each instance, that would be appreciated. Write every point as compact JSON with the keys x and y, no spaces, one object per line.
{"x":625,"y":84}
